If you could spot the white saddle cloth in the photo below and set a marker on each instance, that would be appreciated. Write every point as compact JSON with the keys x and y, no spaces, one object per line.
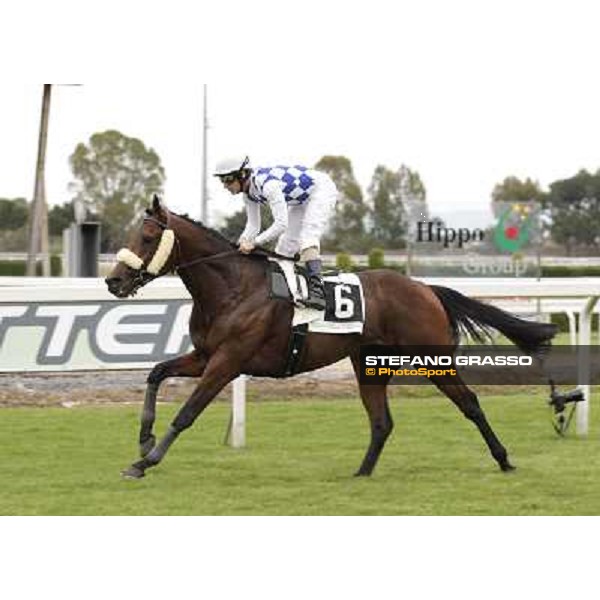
{"x":345,"y":310}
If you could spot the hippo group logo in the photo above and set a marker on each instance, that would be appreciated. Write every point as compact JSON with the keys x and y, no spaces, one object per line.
{"x":514,"y":227}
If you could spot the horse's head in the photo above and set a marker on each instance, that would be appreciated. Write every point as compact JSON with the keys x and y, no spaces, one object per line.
{"x":149,"y":254}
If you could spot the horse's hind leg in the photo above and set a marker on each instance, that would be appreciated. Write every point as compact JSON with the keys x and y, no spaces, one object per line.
{"x":189,"y":365}
{"x":467,"y":402}
{"x":375,"y":401}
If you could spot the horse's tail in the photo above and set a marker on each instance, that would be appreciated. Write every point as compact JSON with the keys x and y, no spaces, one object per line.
{"x":477,"y":319}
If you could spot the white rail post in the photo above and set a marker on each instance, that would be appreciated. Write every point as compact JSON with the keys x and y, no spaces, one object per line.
{"x":583,"y":370}
{"x":237,"y":437}
{"x":572,"y":327}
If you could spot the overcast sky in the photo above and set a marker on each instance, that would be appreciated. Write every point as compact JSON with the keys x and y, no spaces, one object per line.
{"x":464,"y":102}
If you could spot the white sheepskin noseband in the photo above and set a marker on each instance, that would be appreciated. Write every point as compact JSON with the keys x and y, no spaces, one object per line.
{"x":127,"y":257}
{"x":159,"y":260}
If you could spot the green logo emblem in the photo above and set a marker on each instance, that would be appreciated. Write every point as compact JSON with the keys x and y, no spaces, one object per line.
{"x":514,"y":226}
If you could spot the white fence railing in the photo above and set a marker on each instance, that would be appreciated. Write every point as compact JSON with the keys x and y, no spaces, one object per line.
{"x":75,"y":324}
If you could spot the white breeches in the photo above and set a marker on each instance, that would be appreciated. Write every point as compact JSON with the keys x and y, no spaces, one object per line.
{"x":307,"y":222}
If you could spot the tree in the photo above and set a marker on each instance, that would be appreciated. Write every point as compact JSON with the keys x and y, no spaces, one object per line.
{"x":512,"y":189}
{"x":59,"y":218}
{"x":385,"y":199}
{"x":412,"y":185}
{"x":115,"y":176}
{"x":13,"y":224}
{"x":347,"y":230}
{"x":397,"y":199}
{"x":235,"y":224}
{"x":574,"y":206}
{"x":13,"y":214}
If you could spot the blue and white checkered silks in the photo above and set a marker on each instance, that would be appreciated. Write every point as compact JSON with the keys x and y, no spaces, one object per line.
{"x":297,"y":183}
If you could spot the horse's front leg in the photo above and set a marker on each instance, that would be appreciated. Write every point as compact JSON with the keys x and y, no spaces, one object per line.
{"x":189,"y":365}
{"x":218,"y":373}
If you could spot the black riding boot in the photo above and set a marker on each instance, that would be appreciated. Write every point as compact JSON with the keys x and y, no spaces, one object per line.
{"x":316,"y":288}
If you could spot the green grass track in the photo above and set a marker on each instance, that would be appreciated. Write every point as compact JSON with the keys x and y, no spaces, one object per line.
{"x":299,"y":461}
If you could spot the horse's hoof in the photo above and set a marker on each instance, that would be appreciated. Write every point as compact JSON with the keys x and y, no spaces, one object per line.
{"x":361,"y":474}
{"x":133,"y":472}
{"x":508,"y":468}
{"x":147,"y":446}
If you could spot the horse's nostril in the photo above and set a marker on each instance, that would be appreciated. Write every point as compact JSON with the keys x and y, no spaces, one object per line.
{"x":112,"y":282}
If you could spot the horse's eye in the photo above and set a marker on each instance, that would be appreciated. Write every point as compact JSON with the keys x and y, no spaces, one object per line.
{"x":146,"y":240}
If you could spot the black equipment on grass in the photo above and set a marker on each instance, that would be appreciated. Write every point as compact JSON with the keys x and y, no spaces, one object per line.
{"x":558,"y":402}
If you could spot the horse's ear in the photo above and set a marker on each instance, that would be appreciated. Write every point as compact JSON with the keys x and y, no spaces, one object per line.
{"x":158,"y":209}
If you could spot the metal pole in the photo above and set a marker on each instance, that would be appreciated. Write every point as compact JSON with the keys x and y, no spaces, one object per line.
{"x":204,"y":212}
{"x":37,"y":220}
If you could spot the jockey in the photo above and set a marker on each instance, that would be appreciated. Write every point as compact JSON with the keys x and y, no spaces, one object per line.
{"x":301,"y":201}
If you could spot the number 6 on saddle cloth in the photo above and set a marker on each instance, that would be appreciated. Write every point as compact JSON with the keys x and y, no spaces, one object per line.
{"x":344,"y":312}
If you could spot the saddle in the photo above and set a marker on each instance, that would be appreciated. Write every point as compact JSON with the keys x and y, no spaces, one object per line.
{"x":344,"y":313}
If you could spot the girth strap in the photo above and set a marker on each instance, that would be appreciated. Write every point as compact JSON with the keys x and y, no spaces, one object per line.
{"x":295,"y":349}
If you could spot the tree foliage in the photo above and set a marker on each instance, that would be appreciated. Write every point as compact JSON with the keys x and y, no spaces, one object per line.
{"x":60,"y":218}
{"x":13,"y":214}
{"x":512,"y":189}
{"x":387,"y":211}
{"x":115,"y":175}
{"x":571,"y":207}
{"x":574,"y":207}
{"x":235,"y":224}
{"x":394,"y":196}
{"x":13,"y":224}
{"x":348,"y":229}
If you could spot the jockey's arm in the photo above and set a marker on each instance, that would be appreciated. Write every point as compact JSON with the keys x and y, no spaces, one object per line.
{"x":274,"y":194}
{"x":252,"y":228}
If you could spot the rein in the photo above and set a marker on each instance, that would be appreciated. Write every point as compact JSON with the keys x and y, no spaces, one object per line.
{"x":147,"y":271}
{"x":260,"y":252}
{"x":204,"y":259}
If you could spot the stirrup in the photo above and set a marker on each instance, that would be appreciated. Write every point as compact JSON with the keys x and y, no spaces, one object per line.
{"x":314,"y":302}
{"x":316,"y":293}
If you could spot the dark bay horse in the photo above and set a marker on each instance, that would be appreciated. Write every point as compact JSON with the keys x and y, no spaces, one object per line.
{"x":236,"y":329}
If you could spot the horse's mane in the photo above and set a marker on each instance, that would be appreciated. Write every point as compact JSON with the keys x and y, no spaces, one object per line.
{"x":219,"y":237}
{"x":212,"y":232}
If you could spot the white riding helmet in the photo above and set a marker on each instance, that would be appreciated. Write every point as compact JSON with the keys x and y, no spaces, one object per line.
{"x":231,"y":165}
